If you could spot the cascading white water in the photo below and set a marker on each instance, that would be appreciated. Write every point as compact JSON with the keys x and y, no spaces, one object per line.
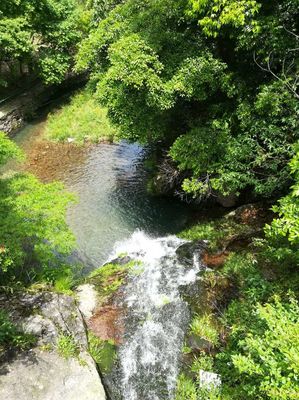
{"x":157,"y":317}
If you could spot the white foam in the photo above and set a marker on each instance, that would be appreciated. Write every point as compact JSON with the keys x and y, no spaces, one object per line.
{"x":152,"y":348}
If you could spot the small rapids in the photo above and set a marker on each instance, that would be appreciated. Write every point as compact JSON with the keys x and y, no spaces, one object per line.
{"x":157,"y":316}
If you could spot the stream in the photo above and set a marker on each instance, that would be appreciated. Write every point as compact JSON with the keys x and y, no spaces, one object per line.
{"x":114,"y":214}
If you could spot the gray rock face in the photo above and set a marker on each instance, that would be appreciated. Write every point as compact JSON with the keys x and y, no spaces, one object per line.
{"x":41,"y":373}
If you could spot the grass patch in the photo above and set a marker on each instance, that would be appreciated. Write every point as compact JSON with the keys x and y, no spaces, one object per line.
{"x":110,"y":277}
{"x":186,"y":388}
{"x":204,"y":328}
{"x":82,"y":120}
{"x":67,"y":347}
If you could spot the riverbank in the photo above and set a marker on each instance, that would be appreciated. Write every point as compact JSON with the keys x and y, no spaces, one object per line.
{"x":243,"y":314}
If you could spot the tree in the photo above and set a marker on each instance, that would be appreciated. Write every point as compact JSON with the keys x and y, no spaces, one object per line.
{"x":184,"y":73}
{"x":283,"y":233}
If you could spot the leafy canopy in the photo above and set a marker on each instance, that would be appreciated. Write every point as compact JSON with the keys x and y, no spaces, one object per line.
{"x":34,"y":236}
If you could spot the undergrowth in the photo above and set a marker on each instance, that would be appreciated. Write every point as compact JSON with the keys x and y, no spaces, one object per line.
{"x":245,"y":327}
{"x":67,"y":346}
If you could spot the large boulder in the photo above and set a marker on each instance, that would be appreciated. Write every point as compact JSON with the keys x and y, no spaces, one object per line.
{"x":41,"y":373}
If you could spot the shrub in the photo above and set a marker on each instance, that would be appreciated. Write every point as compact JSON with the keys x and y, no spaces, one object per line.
{"x":268,"y":361}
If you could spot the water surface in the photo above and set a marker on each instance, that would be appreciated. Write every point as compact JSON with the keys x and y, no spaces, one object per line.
{"x":113,"y":201}
{"x":110,"y":183}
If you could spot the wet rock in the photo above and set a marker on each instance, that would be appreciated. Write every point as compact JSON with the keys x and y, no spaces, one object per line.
{"x":226,"y":201}
{"x":214,"y":260}
{"x":122,"y":260}
{"x":198,"y":344}
{"x":41,"y":373}
{"x":106,"y":323}
{"x":187,"y":251}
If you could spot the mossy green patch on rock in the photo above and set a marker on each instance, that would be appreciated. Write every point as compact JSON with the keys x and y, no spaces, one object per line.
{"x":110,"y":277}
{"x":217,"y":232}
{"x":102,"y":351}
{"x":67,"y":347}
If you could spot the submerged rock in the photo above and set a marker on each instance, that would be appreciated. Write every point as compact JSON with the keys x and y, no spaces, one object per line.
{"x":41,"y":373}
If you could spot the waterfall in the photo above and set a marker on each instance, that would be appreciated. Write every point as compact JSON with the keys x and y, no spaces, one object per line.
{"x":157,"y":316}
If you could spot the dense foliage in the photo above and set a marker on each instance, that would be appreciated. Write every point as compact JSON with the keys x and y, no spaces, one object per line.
{"x":34,"y":235}
{"x":283,"y":233}
{"x":269,"y":359}
{"x":194,"y":75}
{"x":215,"y":83}
{"x":42,"y":34}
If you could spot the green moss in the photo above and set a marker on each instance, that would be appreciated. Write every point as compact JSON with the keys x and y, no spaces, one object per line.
{"x":82,"y":120}
{"x":102,"y":351}
{"x":204,"y":328}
